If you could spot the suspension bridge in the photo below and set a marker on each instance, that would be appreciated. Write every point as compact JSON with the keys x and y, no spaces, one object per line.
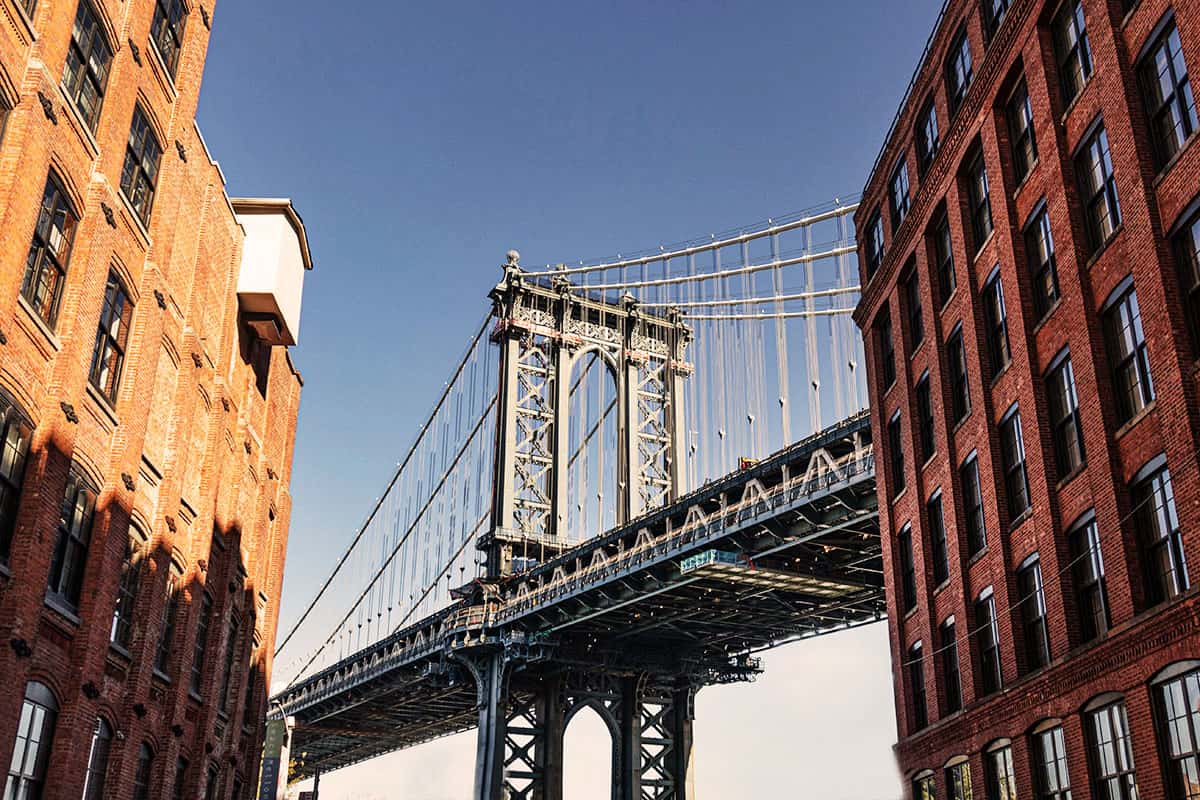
{"x":642,"y":472}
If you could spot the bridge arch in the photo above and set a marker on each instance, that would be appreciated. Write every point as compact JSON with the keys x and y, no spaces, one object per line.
{"x":590,"y":754}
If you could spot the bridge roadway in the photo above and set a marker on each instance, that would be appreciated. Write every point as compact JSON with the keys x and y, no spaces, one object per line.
{"x":632,"y":623}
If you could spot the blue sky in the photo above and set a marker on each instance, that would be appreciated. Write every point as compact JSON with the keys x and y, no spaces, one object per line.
{"x":422,"y":141}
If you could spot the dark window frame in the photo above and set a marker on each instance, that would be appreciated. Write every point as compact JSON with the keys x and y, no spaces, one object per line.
{"x":1034,"y":628}
{"x":200,"y":645}
{"x":991,"y":674}
{"x":1051,"y":774}
{"x":1097,"y":183}
{"x":1128,"y":356}
{"x":1185,"y":240}
{"x":960,"y":388}
{"x":925,"y":422}
{"x":140,"y":172}
{"x":1018,"y":112}
{"x":1072,"y":50}
{"x":1000,"y":775}
{"x":911,"y":284}
{"x":1110,"y":752}
{"x":939,"y":551}
{"x":68,"y":567}
{"x":1177,"y":730}
{"x":49,"y":257}
{"x":896,"y":454}
{"x":942,"y":249}
{"x":928,"y":138}
{"x":875,"y":244}
{"x":1157,"y":68}
{"x":167,"y":29}
{"x":121,"y":632}
{"x":87,"y":65}
{"x":27,"y":774}
{"x":887,"y":349}
{"x":1066,"y":422}
{"x":96,"y":774}
{"x":169,"y":621}
{"x":959,"y":70}
{"x":1012,"y":455}
{"x":972,"y":490}
{"x":1160,"y":540}
{"x":1043,"y":264}
{"x":979,"y":202}
{"x":899,"y":193}
{"x":995,"y":314}
{"x":16,"y":431}
{"x":1088,"y":578}
{"x":112,"y":338}
{"x":994,"y":14}
{"x":951,"y":669}
{"x":958,"y":781}
{"x":908,"y":569}
{"x":916,"y":681}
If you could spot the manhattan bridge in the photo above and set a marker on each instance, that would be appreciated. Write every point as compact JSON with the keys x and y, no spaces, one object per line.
{"x":641,"y":473}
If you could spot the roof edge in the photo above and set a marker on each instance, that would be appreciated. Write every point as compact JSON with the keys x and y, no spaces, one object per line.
{"x":276,"y":205}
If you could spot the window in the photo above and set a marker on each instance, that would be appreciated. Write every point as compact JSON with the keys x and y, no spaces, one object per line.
{"x":912,"y":303}
{"x":127,"y":589}
{"x":1001,"y":778}
{"x":1187,"y":251}
{"x":958,"y":71}
{"x":85,"y":73}
{"x":210,"y":784}
{"x":231,"y":636}
{"x":937,"y":538}
{"x":141,"y":778}
{"x":1012,"y":453}
{"x":908,"y":570}
{"x":943,"y":257}
{"x":949,"y":647}
{"x":887,"y":348}
{"x":28,"y":5}
{"x":1072,"y":50}
{"x":1157,"y":524}
{"x":139,"y":175}
{"x":956,"y":358}
{"x":1168,"y":94}
{"x":1087,"y":573}
{"x":996,"y":318}
{"x":74,"y":537}
{"x":958,"y":781}
{"x":1020,"y":130}
{"x":180,"y":785}
{"x":166,"y":31}
{"x":924,"y":787}
{"x":988,"y":636}
{"x":1098,"y":188}
{"x":50,"y":252}
{"x":899,"y":194}
{"x":1112,"y":755}
{"x":993,"y":15}
{"x":1069,"y":454}
{"x":35,"y":737}
{"x":925,"y":418}
{"x":973,"y":505}
{"x":108,"y":355}
{"x":1177,"y":700}
{"x":1127,"y":354}
{"x":170,"y":613}
{"x":97,"y":769}
{"x":874,"y":243}
{"x":896,"y":454}
{"x":916,"y":680}
{"x":251,"y":696}
{"x":1050,"y":765}
{"x":1039,"y":249}
{"x":200,"y":649}
{"x":978,"y":201}
{"x":15,"y":432}
{"x":927,"y":138}
{"x":1033,"y":614}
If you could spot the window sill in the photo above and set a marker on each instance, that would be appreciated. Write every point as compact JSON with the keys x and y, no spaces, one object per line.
{"x":194,"y":696}
{"x":888,"y":389}
{"x":996,"y":378}
{"x":1032,"y":168}
{"x":138,"y":225}
{"x":1103,"y":247}
{"x":62,"y":609}
{"x":1134,"y":420}
{"x":164,"y":74}
{"x":119,"y":651}
{"x":960,"y":423}
{"x":932,"y":457}
{"x":5,"y":573}
{"x":1041,"y":323}
{"x":1173,"y":160}
{"x":948,"y":300}
{"x":81,"y":127}
{"x":1021,"y":519}
{"x":1075,"y":100}
{"x":899,"y":495}
{"x":918,"y":348}
{"x":983,"y":245}
{"x":940,"y":587}
{"x":912,"y":612}
{"x":1070,"y":476}
{"x":1129,"y":14}
{"x":104,"y":403}
{"x":977,"y":557}
{"x":39,"y":323}
{"x":160,"y":676}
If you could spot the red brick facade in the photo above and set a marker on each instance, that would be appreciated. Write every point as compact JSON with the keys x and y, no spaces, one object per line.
{"x":190,"y":459}
{"x":1147,"y":640}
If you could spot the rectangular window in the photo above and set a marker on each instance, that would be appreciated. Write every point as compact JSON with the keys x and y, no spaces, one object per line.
{"x":958,"y":71}
{"x":956,"y":360}
{"x":993,"y":15}
{"x":1112,"y":755}
{"x":1039,"y":250}
{"x":1087,"y":573}
{"x":1098,"y":188}
{"x":927,"y":137}
{"x":949,"y":647}
{"x":896,"y":454}
{"x":898,"y":194}
{"x":912,"y":303}
{"x":908,"y":569}
{"x":145,"y":769}
{"x":943,"y":256}
{"x":139,"y":175}
{"x":1187,"y":251}
{"x":166,"y":31}
{"x":925,"y":418}
{"x":73,"y":539}
{"x":958,"y":781}
{"x":170,"y":614}
{"x":874,"y":244}
{"x":1050,"y":765}
{"x":1127,"y":355}
{"x":1020,"y":130}
{"x":996,"y":318}
{"x":1063,"y":404}
{"x":1071,"y":49}
{"x":1001,"y":777}
{"x":988,"y":636}
{"x":50,"y":252}
{"x":85,"y":73}
{"x":916,"y":680}
{"x":127,"y":588}
{"x":1177,"y":701}
{"x":1168,"y":94}
{"x":108,"y":354}
{"x":1012,"y":452}
{"x":887,"y":349}
{"x":978,"y":199}
{"x":1157,"y":524}
{"x":1033,"y":615}
{"x":200,"y":649}
{"x":15,"y":433}
{"x":180,"y":786}
{"x":973,"y":506}
{"x":937,"y":539}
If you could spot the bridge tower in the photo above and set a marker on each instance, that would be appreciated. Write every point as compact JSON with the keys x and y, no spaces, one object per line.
{"x":544,"y":331}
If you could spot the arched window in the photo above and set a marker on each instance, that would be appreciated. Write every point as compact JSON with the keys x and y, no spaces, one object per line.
{"x":15,"y":432}
{"x":131,"y":570}
{"x":97,"y":770}
{"x":1108,"y":737}
{"x":141,"y":779}
{"x":1175,"y":693}
{"x":35,"y":736}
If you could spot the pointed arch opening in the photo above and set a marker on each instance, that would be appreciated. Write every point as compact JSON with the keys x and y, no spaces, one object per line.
{"x":588,"y":757}
{"x":592,"y":447}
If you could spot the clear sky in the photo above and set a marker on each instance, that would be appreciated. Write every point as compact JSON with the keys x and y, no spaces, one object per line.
{"x":420,"y":141}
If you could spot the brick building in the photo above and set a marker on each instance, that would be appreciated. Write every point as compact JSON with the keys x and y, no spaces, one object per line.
{"x":1029,"y":241}
{"x":147,"y":410}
